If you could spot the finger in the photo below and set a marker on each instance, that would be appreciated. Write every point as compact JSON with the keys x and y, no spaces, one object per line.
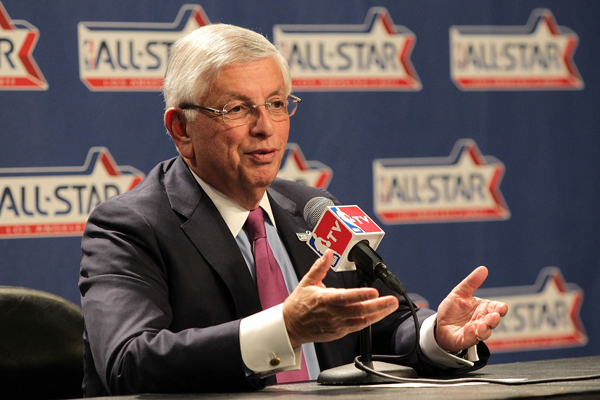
{"x":482,"y":329}
{"x":368,"y":307}
{"x":492,"y":320}
{"x":494,"y":307}
{"x":474,"y":332}
{"x":347,"y":297}
{"x":501,"y":308}
{"x":319,"y":269}
{"x":471,"y":283}
{"x":370,"y":312}
{"x":355,"y":324}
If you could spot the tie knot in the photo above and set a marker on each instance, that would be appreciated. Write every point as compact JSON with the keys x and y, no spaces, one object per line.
{"x":256,"y":224}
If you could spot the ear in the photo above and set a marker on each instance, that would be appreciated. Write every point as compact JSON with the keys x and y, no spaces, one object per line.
{"x":176,"y":124}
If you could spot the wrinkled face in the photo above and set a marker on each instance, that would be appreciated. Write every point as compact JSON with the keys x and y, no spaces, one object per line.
{"x":239,"y":160}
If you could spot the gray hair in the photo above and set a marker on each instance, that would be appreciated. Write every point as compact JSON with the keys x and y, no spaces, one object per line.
{"x":197,"y":58}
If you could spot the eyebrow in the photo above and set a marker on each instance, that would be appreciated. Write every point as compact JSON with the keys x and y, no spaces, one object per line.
{"x":238,"y":96}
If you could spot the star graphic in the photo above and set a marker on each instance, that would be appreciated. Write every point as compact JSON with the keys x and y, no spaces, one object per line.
{"x":545,"y":315}
{"x":22,"y":36}
{"x":465,"y":186}
{"x":545,"y":19}
{"x":470,"y":153}
{"x":545,"y":57}
{"x":102,"y":163}
{"x":381,"y":15}
{"x":374,"y":55}
{"x":295,"y":167}
{"x":56,"y":201}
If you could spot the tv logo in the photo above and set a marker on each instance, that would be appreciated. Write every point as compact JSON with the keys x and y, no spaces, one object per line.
{"x":339,"y":229}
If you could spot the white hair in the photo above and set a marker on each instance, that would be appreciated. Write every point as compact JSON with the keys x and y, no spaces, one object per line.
{"x":196,"y":59}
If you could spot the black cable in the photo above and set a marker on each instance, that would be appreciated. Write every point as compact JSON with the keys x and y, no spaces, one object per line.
{"x":381,"y":272}
{"x":371,"y":267}
{"x":394,"y":283}
{"x":361,"y":366}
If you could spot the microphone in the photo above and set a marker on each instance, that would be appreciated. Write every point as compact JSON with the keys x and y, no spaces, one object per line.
{"x":352,"y":236}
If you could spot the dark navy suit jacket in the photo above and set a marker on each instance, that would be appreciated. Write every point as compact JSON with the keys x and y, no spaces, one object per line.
{"x":164,"y":286}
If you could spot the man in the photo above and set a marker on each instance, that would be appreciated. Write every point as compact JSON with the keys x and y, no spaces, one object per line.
{"x":168,"y":279}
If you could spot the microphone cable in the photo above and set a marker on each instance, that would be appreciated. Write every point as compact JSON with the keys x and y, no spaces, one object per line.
{"x":394,"y":283}
{"x":313,"y":211}
{"x":359,"y":364}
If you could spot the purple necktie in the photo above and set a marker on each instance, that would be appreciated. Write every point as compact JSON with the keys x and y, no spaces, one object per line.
{"x":269,"y":279}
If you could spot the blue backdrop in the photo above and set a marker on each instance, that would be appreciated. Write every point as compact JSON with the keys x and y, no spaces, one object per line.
{"x":467,"y":130}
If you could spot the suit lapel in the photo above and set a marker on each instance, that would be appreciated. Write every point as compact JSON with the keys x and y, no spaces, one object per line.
{"x":209,"y":233}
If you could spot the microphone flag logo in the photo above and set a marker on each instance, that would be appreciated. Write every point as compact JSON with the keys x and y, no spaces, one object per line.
{"x":339,"y":229}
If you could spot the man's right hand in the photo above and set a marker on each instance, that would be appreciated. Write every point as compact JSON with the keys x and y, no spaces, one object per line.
{"x":315,"y":313}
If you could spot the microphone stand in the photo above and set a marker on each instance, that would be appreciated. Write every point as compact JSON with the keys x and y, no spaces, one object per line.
{"x":349,"y":374}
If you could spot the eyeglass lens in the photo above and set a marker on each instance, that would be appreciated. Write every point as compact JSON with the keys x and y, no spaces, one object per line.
{"x":278,"y":110}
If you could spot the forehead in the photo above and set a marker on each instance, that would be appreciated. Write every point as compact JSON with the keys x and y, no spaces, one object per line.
{"x":255,"y":80}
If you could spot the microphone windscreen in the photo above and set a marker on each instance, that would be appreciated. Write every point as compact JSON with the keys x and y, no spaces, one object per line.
{"x":314,"y":210}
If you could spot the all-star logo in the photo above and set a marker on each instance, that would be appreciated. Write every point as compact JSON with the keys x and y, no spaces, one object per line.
{"x":538,"y":56}
{"x":294,"y":167}
{"x":56,"y":201}
{"x":371,"y":56}
{"x":128,"y":56}
{"x":18,"y":70}
{"x":545,"y":315}
{"x":461,"y":187}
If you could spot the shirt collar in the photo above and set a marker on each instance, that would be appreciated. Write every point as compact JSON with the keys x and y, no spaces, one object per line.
{"x":232,"y":212}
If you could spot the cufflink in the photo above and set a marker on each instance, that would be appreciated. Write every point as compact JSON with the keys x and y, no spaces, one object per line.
{"x":275,"y":361}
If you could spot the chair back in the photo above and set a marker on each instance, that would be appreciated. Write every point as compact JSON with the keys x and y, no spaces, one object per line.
{"x":41,"y":345}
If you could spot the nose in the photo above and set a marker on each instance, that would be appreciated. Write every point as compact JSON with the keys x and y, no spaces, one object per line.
{"x":261,"y":123}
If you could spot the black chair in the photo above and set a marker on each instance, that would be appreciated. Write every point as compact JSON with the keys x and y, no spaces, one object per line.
{"x":41,"y":346}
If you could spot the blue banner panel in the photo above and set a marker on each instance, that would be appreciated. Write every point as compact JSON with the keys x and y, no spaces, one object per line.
{"x":468,"y":131}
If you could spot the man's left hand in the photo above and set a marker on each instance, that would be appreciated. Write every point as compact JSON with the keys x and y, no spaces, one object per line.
{"x":464,"y":320}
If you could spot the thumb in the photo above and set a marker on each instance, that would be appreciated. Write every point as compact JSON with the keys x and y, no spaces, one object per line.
{"x":471,"y":283}
{"x":319,"y":269}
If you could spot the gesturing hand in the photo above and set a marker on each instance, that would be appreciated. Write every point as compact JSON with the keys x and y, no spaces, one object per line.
{"x":315,"y":313}
{"x":462,"y":319}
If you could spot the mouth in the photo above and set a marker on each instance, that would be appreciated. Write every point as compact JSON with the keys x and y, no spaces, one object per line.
{"x":263,"y":155}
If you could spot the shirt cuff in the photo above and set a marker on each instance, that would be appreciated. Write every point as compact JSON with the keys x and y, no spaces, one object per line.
{"x":435,"y":353}
{"x":265,"y":344}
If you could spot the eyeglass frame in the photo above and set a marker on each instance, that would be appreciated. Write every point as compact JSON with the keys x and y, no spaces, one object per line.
{"x":222,"y":113}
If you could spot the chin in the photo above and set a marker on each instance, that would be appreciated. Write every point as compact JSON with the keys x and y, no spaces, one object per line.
{"x":263,"y":180}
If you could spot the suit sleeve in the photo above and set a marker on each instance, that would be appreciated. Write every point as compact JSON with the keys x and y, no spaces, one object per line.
{"x":125,"y":298}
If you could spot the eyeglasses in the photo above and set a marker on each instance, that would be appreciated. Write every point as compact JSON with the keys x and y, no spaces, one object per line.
{"x":237,"y":113}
